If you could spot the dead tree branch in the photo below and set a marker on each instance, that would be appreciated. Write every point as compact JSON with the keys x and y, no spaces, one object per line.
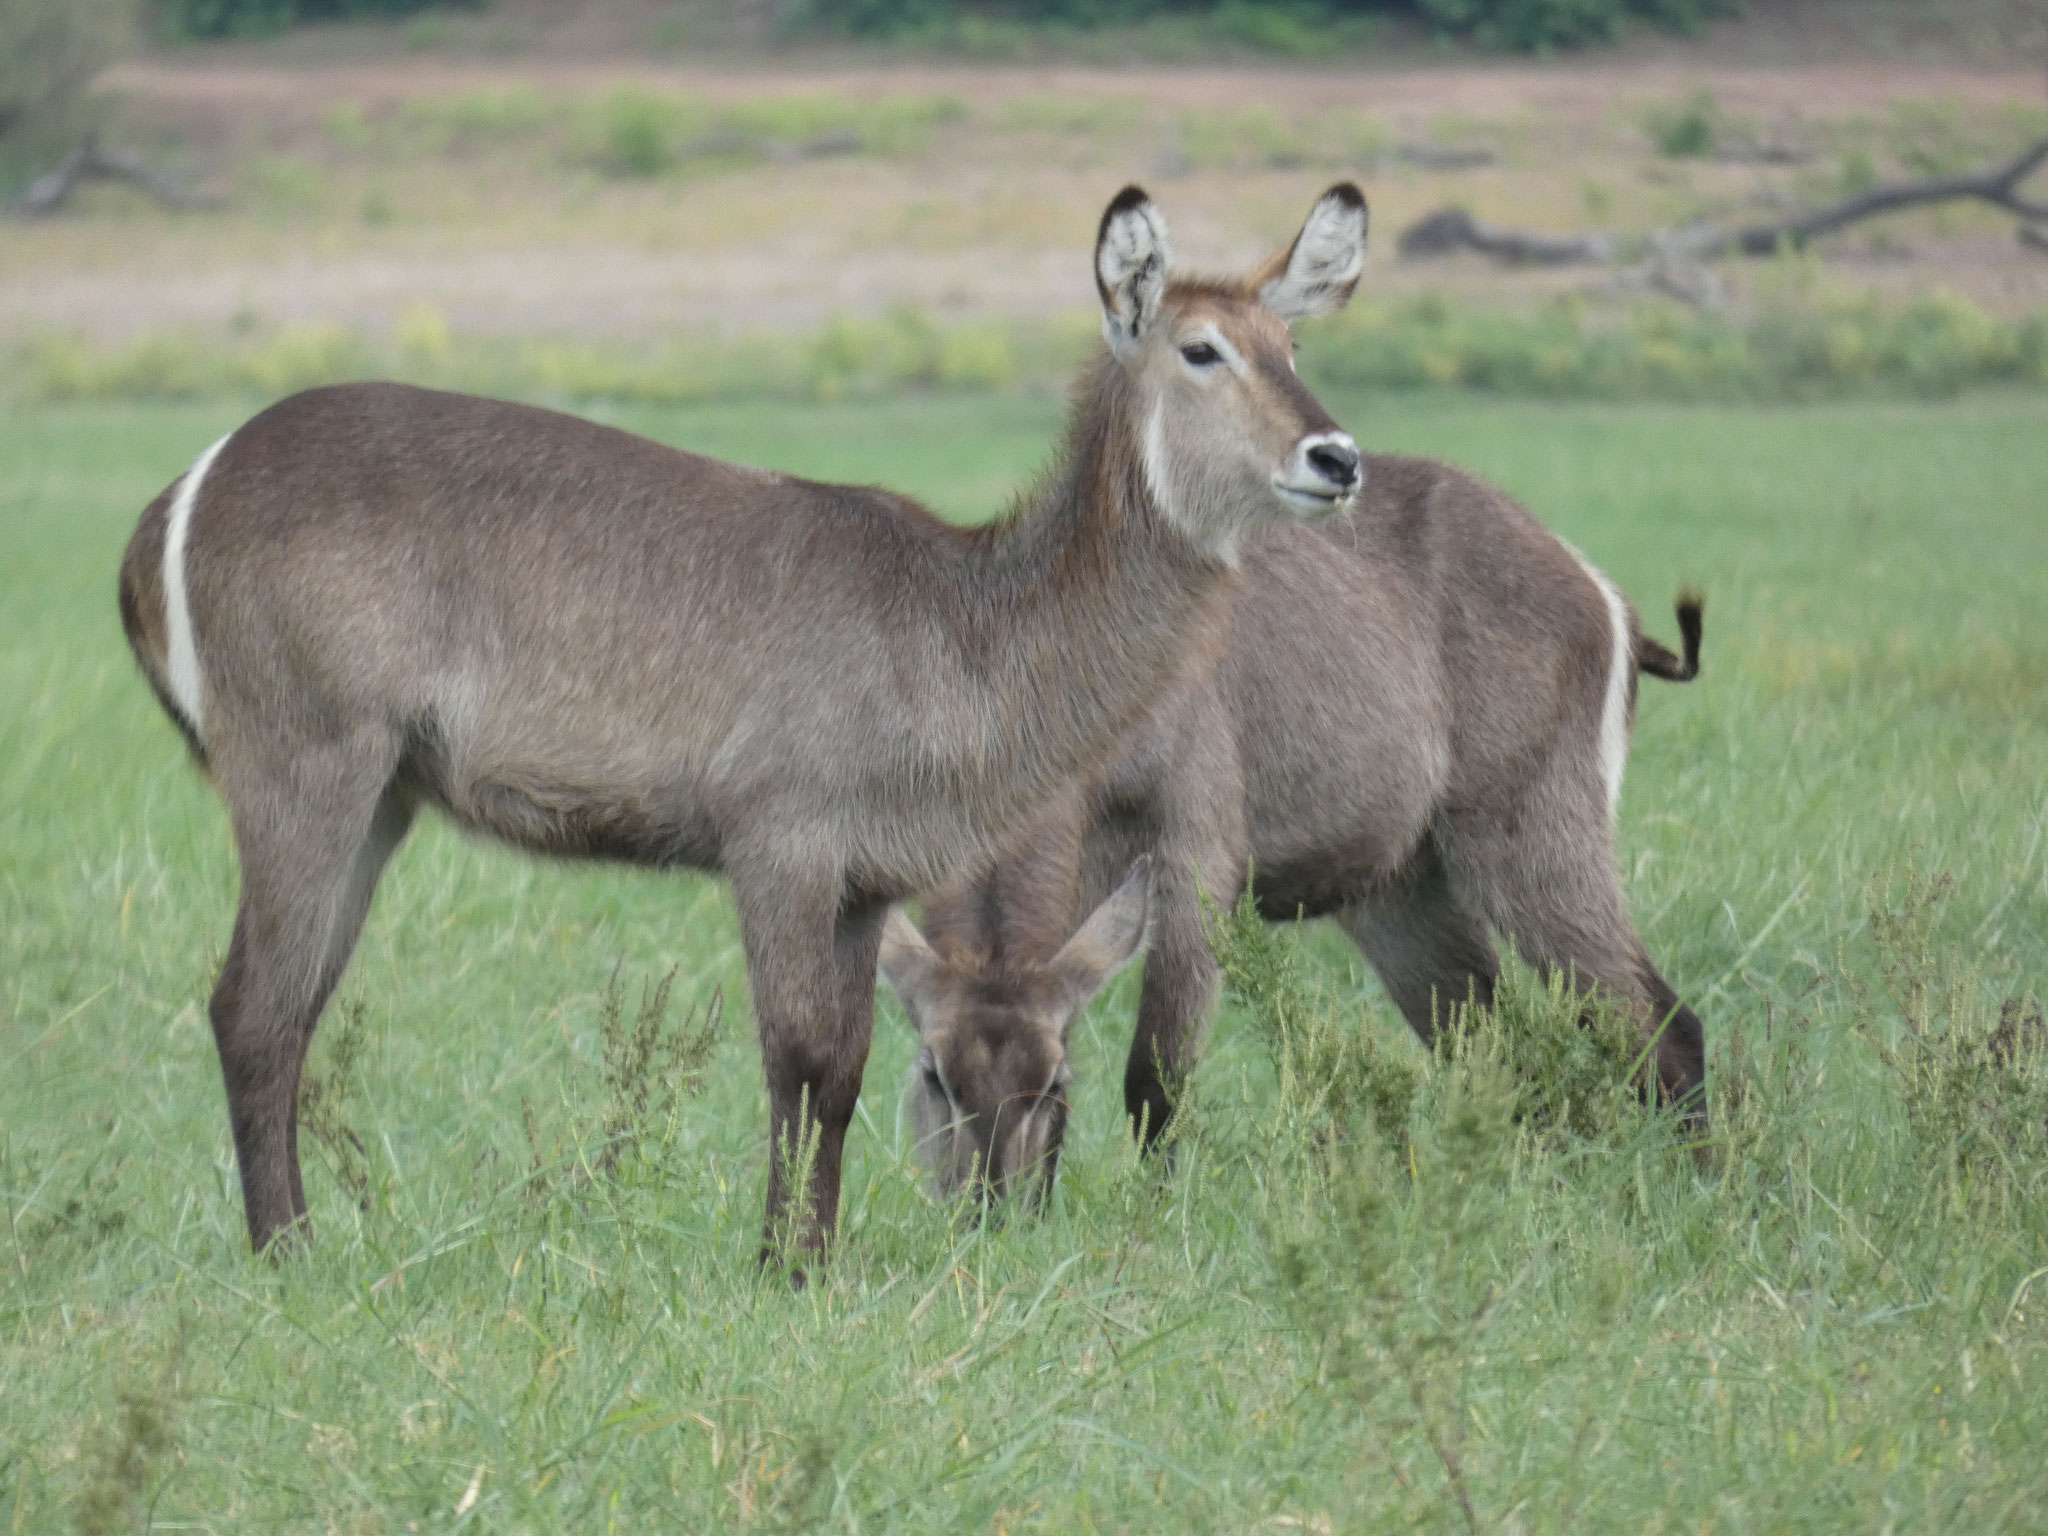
{"x":1674,"y":254}
{"x":1998,"y":186}
{"x":49,"y":192}
{"x":1454,"y":229}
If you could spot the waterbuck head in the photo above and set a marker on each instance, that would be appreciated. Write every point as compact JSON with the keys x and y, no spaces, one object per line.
{"x":1230,"y":436}
{"x":988,"y":1091}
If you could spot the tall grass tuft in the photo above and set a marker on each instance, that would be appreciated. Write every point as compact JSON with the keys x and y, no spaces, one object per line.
{"x":1393,"y":1244}
{"x":328,"y":1097}
{"x":649,"y":1067}
{"x":1971,"y":1068}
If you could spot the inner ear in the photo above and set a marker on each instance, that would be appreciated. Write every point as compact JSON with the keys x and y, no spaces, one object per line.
{"x":1131,"y":257}
{"x":907,"y":962}
{"x":1108,"y":941}
{"x":1318,"y":272}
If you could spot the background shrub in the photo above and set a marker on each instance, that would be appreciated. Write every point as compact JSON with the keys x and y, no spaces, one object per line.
{"x":49,"y":52}
{"x":254,"y":18}
{"x":1282,"y":26}
{"x":1287,"y":26}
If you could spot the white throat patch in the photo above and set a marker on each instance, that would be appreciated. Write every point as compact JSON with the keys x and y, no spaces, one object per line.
{"x":1152,"y":457}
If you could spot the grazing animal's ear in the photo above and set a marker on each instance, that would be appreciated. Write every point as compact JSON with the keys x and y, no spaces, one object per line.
{"x":1102,"y":946}
{"x":1315,"y":275}
{"x":1131,"y":255}
{"x":907,"y":962}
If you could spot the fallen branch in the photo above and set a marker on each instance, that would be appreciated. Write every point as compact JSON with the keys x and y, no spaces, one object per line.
{"x":1998,"y":186}
{"x":49,"y":192}
{"x":1439,"y":157}
{"x":1454,"y":229}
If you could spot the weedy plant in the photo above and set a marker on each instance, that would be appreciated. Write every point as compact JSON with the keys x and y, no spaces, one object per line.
{"x":1971,"y":1068}
{"x":328,"y":1097}
{"x":1338,"y":1077}
{"x":1690,"y":129}
{"x":46,"y":1214}
{"x":1397,"y":1166}
{"x":649,"y":1066}
{"x":128,"y":1454}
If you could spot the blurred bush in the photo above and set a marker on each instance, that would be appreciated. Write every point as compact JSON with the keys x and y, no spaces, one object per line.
{"x":256,"y":18}
{"x":1278,"y":26}
{"x":1689,"y":130}
{"x":1531,"y":25}
{"x":49,"y":52}
{"x":1800,"y":342}
{"x":1297,"y":27}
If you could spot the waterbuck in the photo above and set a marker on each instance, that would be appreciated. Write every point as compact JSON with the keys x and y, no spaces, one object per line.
{"x":1418,"y":727}
{"x":371,"y":598}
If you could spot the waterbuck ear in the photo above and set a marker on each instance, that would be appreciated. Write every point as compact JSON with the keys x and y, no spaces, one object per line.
{"x":1102,"y":946}
{"x":1131,"y":256}
{"x":1315,"y":275}
{"x":908,"y":963}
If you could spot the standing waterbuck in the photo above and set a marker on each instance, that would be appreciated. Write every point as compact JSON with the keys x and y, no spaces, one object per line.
{"x":1418,"y":727}
{"x":371,"y":597}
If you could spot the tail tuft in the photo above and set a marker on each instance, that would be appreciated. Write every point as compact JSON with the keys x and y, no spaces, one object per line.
{"x":1658,"y":661}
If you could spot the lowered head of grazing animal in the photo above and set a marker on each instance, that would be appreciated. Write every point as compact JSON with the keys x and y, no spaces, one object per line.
{"x":987,"y":1093}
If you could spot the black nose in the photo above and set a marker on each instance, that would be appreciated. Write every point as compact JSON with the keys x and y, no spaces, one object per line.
{"x":1336,"y":463}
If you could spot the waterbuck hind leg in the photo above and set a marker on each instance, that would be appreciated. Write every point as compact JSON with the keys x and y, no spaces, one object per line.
{"x":1431,"y":954}
{"x":1681,"y":1049}
{"x":1558,"y":897}
{"x":811,"y":968}
{"x":312,"y":840}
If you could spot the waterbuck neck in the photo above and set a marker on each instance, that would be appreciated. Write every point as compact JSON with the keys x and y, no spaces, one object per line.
{"x":1081,"y":607}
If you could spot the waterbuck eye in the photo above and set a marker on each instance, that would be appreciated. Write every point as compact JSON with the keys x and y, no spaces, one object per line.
{"x":1199,"y":354}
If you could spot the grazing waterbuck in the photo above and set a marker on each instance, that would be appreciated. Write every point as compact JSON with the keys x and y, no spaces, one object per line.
{"x":1418,"y":727}
{"x":371,"y":598}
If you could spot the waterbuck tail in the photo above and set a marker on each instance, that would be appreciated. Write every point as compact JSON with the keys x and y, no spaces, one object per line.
{"x":1657,"y":659}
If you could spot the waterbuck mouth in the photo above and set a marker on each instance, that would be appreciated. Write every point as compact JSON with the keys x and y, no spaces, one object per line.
{"x":1314,"y":502}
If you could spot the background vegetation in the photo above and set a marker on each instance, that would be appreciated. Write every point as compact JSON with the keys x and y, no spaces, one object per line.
{"x":1375,"y":1290}
{"x":1802,"y":344}
{"x":1287,"y":25}
{"x":1281,"y":25}
{"x":261,"y":18}
{"x":49,"y":52}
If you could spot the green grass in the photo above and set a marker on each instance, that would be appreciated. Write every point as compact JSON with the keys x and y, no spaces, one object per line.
{"x":1842,"y":1326}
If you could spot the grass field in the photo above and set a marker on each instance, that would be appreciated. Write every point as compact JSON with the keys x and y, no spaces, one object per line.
{"x":1482,"y":1324}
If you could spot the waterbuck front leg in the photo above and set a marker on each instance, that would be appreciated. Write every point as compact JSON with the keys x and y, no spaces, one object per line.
{"x":1180,"y":988}
{"x":313,"y":830}
{"x":811,"y":967}
{"x":1181,"y":974}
